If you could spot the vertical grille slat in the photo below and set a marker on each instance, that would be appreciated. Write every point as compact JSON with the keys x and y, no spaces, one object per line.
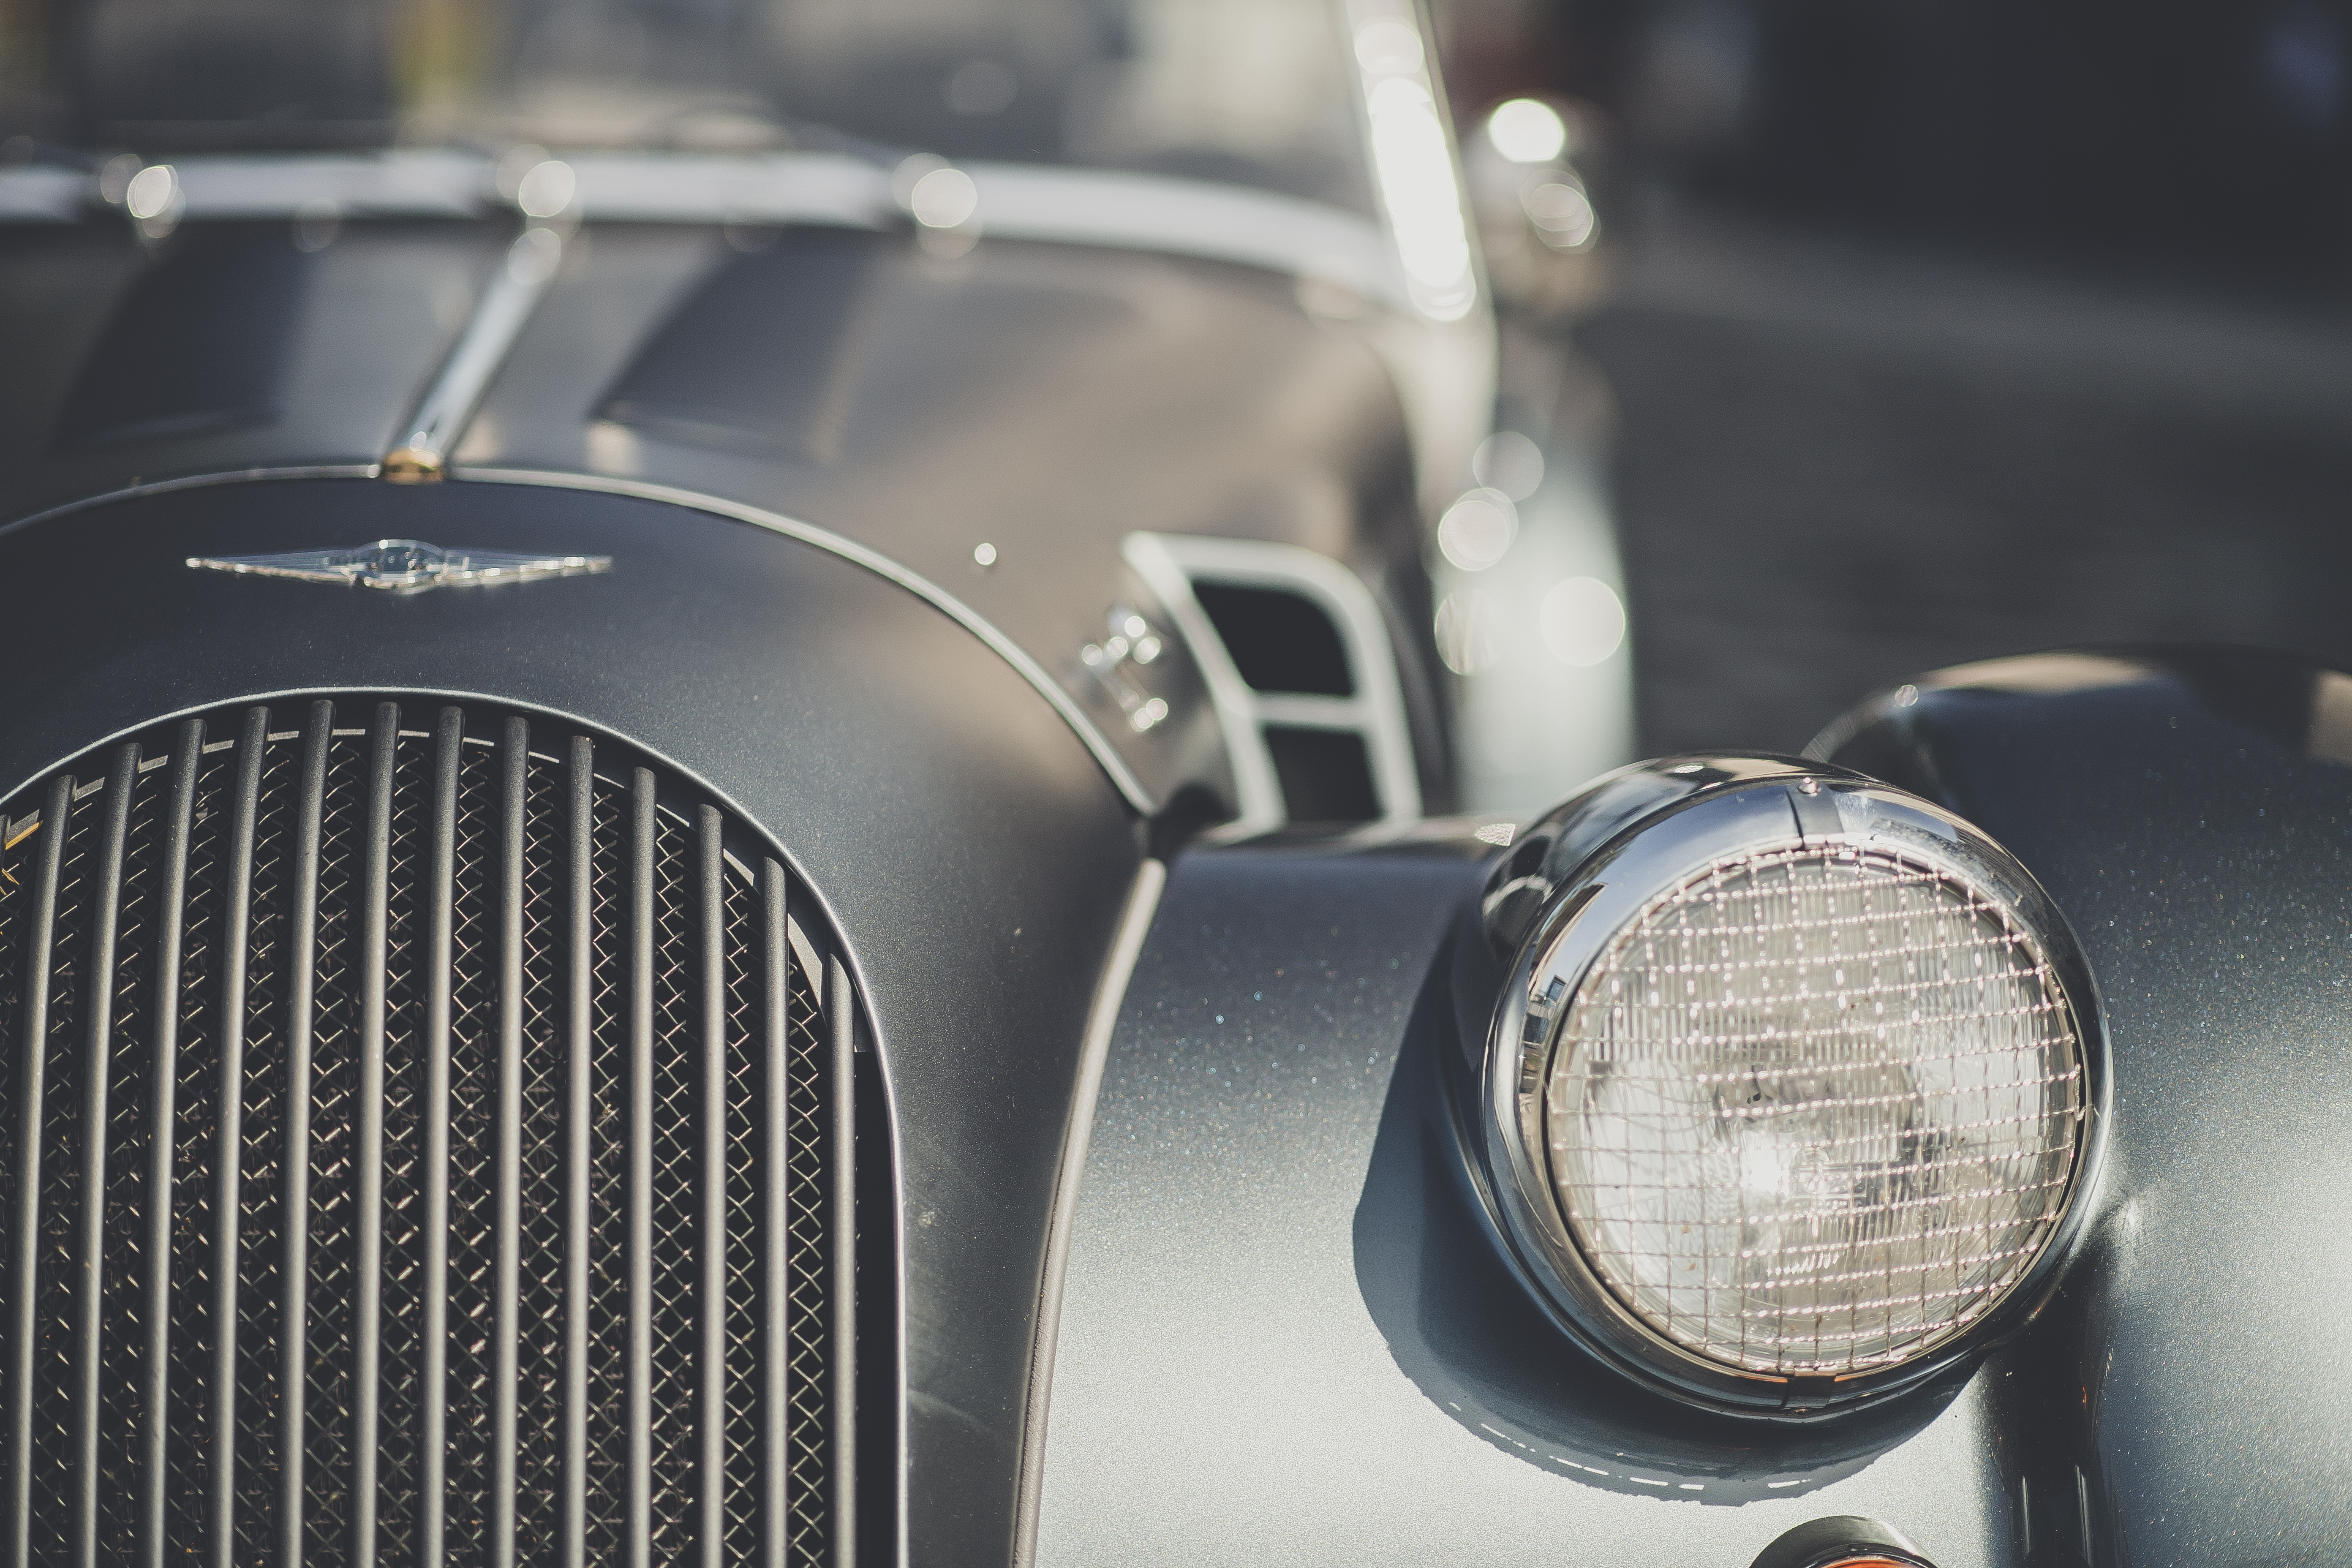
{"x":194,"y":1140}
{"x":252,"y":998}
{"x":125,"y":1334}
{"x":89,"y":1263}
{"x":440,"y":962}
{"x":294,"y":1154}
{"x":62,"y":1202}
{"x":331,"y":1231}
{"x":162,"y":1150}
{"x":260,"y":1005}
{"x":775,"y":1222}
{"x":514,"y":784}
{"x":367,"y":1283}
{"x":418,"y":1147}
{"x":228,"y":1168}
{"x":711,"y":1230}
{"x":841,"y":1234}
{"x":31,"y":1036}
{"x":637,"y":1527}
{"x":579,"y":1041}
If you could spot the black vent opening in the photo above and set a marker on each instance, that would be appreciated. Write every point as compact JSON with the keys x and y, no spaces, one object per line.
{"x":1280,"y":641}
{"x":426,"y":1136}
{"x":1326,"y":774}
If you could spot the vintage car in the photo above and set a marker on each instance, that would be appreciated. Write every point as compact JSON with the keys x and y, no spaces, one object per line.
{"x":738,"y":821}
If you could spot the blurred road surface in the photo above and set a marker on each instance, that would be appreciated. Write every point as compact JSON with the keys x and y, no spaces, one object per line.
{"x":1839,"y":464}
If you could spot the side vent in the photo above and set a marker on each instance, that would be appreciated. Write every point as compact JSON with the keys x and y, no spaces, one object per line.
{"x":424,"y":1137}
{"x":1298,"y":662}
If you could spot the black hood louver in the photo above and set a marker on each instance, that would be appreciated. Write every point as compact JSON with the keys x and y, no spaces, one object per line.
{"x":420,"y":1145}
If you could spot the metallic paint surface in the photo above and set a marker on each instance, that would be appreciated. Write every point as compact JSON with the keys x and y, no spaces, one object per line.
{"x":1134,"y":925}
{"x":2184,"y":1396}
{"x":1287,"y":1336}
{"x":1094,"y":736}
{"x":380,"y":309}
{"x":969,"y":849}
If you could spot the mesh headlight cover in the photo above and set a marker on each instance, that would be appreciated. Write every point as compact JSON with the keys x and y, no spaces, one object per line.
{"x":1815,"y":1109}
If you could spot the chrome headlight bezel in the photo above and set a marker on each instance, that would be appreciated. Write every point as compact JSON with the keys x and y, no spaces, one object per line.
{"x":1666,"y":821}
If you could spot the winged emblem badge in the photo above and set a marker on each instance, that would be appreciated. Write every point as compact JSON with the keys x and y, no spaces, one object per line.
{"x":404,"y":566}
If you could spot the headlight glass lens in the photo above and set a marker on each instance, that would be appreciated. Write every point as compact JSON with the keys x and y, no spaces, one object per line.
{"x":1815,"y":1109}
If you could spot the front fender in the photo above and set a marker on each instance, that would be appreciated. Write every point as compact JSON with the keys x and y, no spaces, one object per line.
{"x":1287,"y":1332}
{"x":2181,"y":1399}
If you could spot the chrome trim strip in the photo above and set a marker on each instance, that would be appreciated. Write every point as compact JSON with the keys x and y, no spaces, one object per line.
{"x":499,"y":316}
{"x":401,"y":183}
{"x":1409,"y":148}
{"x":1127,"y":947}
{"x":194,"y":482}
{"x":1187,"y":217}
{"x":873,"y":561}
{"x":44,"y":196}
{"x":830,"y":189}
{"x":870,"y":1034}
{"x":1043,"y":203}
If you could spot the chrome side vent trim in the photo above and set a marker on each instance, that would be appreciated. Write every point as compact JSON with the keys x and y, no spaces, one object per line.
{"x":1371,"y":710}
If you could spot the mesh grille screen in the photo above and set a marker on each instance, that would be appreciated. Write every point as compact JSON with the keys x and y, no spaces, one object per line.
{"x":1814,"y":1111}
{"x":163,"y":911}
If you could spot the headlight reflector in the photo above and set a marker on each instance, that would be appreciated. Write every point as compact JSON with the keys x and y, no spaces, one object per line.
{"x":1814,"y":1108}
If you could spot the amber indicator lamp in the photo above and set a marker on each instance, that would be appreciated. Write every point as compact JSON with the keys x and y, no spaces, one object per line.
{"x":1842,"y":1542}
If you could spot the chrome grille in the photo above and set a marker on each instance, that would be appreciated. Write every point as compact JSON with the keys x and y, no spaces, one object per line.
{"x":546,"y":1259}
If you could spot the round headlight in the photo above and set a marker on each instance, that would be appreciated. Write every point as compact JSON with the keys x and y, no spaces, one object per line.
{"x":1793,"y":1088}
